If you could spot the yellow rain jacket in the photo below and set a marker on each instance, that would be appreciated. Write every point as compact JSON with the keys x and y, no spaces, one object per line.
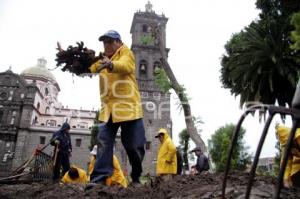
{"x":117,"y":178}
{"x":82,"y":177}
{"x":119,"y":92}
{"x":166,"y":158}
{"x":293,"y":164}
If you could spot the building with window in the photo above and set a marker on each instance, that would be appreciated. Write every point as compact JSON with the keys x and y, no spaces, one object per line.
{"x":30,"y":113}
{"x":266,"y":164}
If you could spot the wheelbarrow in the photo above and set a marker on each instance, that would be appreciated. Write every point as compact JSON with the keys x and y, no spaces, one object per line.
{"x":39,"y":166}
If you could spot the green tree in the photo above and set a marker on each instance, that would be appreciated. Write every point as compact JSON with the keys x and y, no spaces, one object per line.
{"x":184,"y":146}
{"x":259,"y":64}
{"x":179,"y":89}
{"x":295,"y":34}
{"x":277,"y":159}
{"x":161,"y":80}
{"x":218,"y":147}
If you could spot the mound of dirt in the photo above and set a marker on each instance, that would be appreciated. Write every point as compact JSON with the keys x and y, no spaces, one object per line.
{"x":189,"y":187}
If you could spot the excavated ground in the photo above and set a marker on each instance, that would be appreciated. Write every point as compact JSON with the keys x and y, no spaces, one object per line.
{"x":190,"y":187}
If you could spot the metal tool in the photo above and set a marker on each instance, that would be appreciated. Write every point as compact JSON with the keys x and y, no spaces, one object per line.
{"x":272,"y":110}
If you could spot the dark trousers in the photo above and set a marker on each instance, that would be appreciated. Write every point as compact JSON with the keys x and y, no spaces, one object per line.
{"x":296,"y":179}
{"x":63,"y":161}
{"x":133,"y":140}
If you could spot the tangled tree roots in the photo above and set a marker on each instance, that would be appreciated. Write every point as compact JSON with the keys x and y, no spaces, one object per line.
{"x":76,"y":60}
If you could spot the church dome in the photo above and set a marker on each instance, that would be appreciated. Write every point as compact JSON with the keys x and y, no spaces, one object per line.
{"x":39,"y":70}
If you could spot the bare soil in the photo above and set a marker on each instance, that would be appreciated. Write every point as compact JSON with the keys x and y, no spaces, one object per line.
{"x":204,"y":185}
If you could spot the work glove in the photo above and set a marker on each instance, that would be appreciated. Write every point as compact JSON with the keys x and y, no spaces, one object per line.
{"x":37,"y":151}
{"x":107,"y":63}
{"x":56,"y":142}
{"x":93,"y":68}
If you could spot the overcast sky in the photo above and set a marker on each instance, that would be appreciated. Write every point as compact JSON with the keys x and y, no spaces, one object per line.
{"x":197,"y":31}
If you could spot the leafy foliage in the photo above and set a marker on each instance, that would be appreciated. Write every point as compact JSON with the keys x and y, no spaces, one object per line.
{"x":184,"y":146}
{"x":198,"y":122}
{"x":161,"y":80}
{"x":296,"y":33}
{"x":184,"y":142}
{"x":259,"y":64}
{"x":147,"y":39}
{"x":218,"y":148}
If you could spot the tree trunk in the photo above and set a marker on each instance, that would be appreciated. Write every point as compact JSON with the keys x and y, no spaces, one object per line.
{"x":190,"y":125}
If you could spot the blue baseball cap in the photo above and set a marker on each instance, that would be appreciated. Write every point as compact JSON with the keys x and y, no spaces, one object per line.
{"x":110,"y":34}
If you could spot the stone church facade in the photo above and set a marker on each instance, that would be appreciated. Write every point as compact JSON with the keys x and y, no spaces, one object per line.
{"x":30,"y":111}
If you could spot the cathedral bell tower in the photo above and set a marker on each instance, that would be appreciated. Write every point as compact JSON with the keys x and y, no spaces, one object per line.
{"x":156,"y":104}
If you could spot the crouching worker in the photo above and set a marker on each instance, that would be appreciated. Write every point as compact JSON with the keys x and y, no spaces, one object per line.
{"x":117,"y":177}
{"x":75,"y":175}
{"x":166,"y":158}
{"x":292,"y":170}
{"x":202,"y":163}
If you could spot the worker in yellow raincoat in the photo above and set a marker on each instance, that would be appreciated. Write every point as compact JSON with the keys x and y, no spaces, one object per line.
{"x":75,"y":175}
{"x":292,"y":171}
{"x":117,"y":178}
{"x":166,"y":159}
{"x":121,"y":107}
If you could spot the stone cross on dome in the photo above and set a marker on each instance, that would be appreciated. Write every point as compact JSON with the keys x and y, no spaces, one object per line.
{"x":42,"y":62}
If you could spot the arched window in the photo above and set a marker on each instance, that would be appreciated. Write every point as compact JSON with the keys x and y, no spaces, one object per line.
{"x":46,"y":91}
{"x":156,"y":67}
{"x":145,"y":28}
{"x":47,"y":110}
{"x":143,"y":69}
{"x":35,"y":120}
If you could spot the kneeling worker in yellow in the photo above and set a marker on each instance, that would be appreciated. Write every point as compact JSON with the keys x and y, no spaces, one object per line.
{"x":75,"y":175}
{"x":117,"y":178}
